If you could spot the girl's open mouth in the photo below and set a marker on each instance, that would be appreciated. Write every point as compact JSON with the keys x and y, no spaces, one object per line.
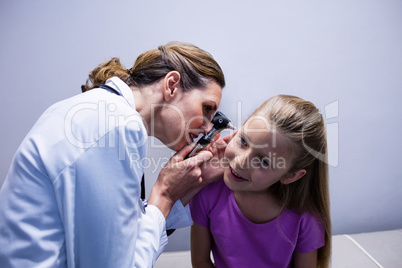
{"x":235,"y":176}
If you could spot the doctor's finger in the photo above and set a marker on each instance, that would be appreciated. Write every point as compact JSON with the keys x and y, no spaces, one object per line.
{"x":198,"y":159}
{"x":229,"y":137}
{"x":181,"y":154}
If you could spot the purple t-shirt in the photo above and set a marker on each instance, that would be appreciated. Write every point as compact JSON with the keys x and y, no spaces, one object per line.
{"x":239,"y":242}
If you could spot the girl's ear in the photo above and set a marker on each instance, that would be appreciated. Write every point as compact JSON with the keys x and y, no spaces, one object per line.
{"x":171,"y":83}
{"x":294,"y":176}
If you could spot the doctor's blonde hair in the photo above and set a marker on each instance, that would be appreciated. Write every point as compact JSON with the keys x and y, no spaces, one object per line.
{"x":303,"y":125}
{"x":196,"y":67}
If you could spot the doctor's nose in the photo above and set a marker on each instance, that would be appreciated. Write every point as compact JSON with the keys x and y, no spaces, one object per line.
{"x":206,"y":125}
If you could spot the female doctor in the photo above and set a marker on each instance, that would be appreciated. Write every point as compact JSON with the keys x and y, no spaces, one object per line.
{"x":72,"y":195}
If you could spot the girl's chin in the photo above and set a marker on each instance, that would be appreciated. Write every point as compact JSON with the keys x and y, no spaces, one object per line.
{"x":227,"y":181}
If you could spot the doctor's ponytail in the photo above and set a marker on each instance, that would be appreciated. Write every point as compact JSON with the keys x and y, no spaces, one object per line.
{"x":103,"y":72}
{"x":196,"y":67}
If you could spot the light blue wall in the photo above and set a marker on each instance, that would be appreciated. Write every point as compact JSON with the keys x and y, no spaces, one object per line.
{"x":344,"y":55}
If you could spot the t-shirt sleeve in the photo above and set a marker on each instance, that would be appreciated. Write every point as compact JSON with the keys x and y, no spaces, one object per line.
{"x":311,"y":234}
{"x":199,"y":211}
{"x":202,"y":204}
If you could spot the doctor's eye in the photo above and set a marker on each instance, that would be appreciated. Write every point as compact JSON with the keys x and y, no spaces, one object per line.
{"x":208,"y":108}
{"x":209,"y":111}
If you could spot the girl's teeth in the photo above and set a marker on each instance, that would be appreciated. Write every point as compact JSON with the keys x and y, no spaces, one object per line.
{"x":237,"y":175}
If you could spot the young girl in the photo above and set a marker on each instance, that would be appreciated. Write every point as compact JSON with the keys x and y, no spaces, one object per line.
{"x":272,"y":207}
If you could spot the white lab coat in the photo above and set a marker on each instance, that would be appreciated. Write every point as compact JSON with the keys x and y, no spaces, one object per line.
{"x":72,"y":195}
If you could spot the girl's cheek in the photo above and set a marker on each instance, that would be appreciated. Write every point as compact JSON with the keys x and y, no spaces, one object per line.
{"x":230,"y":152}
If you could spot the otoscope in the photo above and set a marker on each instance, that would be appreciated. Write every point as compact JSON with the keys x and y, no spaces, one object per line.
{"x":219,"y":123}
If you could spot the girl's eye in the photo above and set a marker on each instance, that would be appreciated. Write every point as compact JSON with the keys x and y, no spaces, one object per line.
{"x":243,"y":141}
{"x":265,"y":163}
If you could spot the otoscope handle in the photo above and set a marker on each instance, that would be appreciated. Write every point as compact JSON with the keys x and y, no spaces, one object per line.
{"x":219,"y":123}
{"x":201,"y":144}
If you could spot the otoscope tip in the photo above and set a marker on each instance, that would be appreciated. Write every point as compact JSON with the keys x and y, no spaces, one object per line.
{"x":231,"y":126}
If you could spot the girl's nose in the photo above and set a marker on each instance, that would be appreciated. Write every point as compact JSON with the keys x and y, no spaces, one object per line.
{"x":241,"y":160}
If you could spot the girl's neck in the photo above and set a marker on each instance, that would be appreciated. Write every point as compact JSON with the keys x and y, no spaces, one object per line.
{"x":258,"y":207}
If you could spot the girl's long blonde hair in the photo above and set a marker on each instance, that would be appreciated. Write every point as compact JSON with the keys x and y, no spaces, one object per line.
{"x":302,"y":123}
{"x":196,"y":68}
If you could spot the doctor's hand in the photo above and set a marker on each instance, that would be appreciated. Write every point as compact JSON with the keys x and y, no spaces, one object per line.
{"x":177,"y":178}
{"x":212,"y":170}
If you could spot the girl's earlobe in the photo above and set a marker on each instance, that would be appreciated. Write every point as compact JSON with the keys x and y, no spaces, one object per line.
{"x":294,"y":176}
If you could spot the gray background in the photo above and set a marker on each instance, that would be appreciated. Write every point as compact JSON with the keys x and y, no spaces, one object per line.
{"x":344,"y":55}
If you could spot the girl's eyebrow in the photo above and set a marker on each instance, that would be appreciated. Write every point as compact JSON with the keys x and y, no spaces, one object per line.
{"x":244,"y":135}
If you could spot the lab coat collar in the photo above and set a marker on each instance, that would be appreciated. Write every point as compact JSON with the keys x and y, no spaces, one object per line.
{"x":124,"y":90}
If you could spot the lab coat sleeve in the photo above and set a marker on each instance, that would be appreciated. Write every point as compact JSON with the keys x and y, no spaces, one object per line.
{"x":148,"y":249}
{"x":110,"y":229}
{"x":179,"y":216}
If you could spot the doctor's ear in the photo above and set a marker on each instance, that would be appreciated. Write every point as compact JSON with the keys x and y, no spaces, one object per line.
{"x":171,"y":84}
{"x":294,"y":176}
